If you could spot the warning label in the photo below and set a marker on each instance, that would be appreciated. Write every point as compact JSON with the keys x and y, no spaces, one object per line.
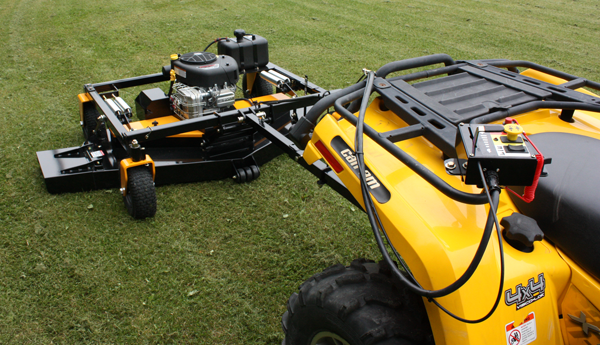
{"x":523,"y":334}
{"x":181,"y":72}
{"x":97,"y":154}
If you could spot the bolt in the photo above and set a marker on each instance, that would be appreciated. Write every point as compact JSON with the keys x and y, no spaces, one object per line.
{"x":465,"y":165}
{"x":532,"y":156}
{"x":240,"y":119}
{"x":471,"y":155}
{"x":498,"y":170}
{"x":450,"y":164}
{"x":122,"y":190}
{"x":135,"y":144}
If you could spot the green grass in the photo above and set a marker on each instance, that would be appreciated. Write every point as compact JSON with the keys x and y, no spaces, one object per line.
{"x":219,"y":260}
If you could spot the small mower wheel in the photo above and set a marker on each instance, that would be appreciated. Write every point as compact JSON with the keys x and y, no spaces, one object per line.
{"x":255,"y":171}
{"x":240,"y":175}
{"x":90,"y":115}
{"x":141,"y":194}
{"x":355,"y":305}
{"x":261,"y":87}
{"x":247,"y":174}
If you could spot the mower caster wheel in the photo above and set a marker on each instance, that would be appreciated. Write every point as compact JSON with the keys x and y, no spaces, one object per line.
{"x":247,"y":174}
{"x":356,"y":305}
{"x":141,"y":194}
{"x":90,"y":116}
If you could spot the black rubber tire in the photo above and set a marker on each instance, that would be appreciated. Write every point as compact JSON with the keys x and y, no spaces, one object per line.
{"x":261,"y":87}
{"x":240,"y":175}
{"x":249,"y":175}
{"x":255,"y":171}
{"x":90,"y":115}
{"x":141,"y":194}
{"x":360,"y":304}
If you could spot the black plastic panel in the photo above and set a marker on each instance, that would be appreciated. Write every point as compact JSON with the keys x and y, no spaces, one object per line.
{"x":469,"y":96}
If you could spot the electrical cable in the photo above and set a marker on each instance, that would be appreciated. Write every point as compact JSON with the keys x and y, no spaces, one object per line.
{"x":358,"y":143}
{"x":493,"y":207}
{"x":369,"y":208}
{"x":213,"y":42}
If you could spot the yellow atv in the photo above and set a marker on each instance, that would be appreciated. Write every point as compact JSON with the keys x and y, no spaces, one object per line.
{"x":481,"y":183}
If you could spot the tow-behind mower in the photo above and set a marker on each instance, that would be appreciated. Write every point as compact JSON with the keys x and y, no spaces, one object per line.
{"x":478,"y":179}
{"x":195,"y":131}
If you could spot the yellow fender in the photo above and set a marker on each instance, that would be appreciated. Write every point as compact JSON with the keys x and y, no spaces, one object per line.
{"x":128,"y":163}
{"x":83,"y":98}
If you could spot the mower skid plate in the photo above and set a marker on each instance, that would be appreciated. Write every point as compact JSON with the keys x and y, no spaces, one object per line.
{"x":74,"y":169}
{"x":70,"y":170}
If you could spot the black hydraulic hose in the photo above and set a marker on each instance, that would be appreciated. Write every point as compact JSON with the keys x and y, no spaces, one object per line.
{"x":413,"y":164}
{"x":421,"y":61}
{"x":531,"y":106}
{"x":301,"y":129}
{"x":427,"y":73}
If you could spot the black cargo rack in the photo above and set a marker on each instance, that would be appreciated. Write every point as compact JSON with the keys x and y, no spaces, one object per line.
{"x":475,"y":92}
{"x":471,"y":92}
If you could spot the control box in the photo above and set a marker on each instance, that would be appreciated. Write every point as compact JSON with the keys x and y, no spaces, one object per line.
{"x":501,"y":148}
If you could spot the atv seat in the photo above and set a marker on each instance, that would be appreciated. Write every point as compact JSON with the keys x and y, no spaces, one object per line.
{"x":567,"y":201}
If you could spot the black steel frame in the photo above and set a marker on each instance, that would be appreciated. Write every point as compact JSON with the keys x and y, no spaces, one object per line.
{"x":74,"y":169}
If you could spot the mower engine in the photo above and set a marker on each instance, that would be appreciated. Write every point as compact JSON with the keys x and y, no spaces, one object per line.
{"x":204,"y":83}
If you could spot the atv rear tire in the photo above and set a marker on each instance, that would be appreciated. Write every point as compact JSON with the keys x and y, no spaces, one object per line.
{"x":260,"y":88}
{"x":141,"y":194}
{"x":355,"y":305}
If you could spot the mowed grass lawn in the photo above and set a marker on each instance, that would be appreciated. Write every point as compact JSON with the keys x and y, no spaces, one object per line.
{"x":219,"y":260}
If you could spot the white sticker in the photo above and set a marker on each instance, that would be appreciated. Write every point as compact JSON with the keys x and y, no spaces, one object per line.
{"x":500,"y":150}
{"x":180,"y":72}
{"x":96,"y":154}
{"x":523,"y":334}
{"x":215,"y":65}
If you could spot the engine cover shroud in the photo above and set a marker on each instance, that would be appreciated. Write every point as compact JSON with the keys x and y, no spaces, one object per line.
{"x":206,"y":70}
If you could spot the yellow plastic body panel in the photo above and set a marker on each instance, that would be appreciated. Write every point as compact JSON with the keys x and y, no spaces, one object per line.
{"x":438,"y":236}
{"x":583,"y":296}
{"x":128,"y":163}
{"x":83,"y":98}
